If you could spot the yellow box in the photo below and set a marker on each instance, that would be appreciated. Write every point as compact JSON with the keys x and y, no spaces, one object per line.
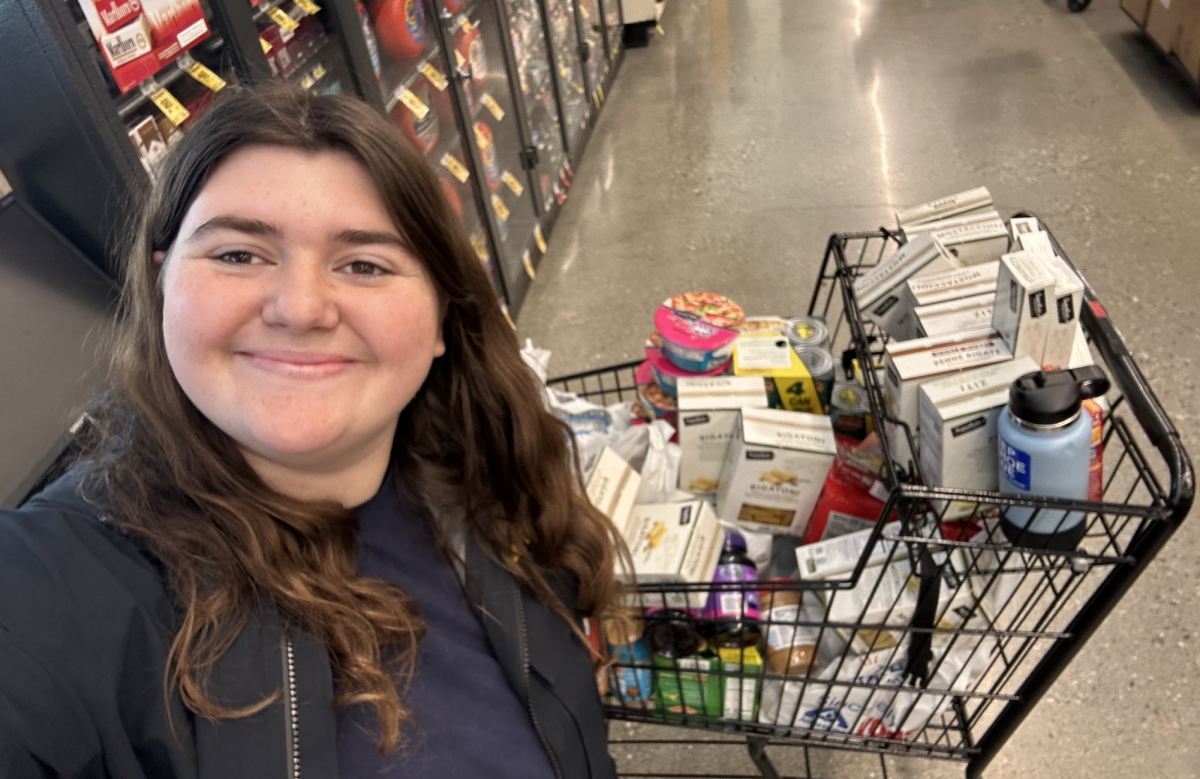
{"x":789,"y":384}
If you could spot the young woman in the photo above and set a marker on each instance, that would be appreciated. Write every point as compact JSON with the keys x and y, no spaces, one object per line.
{"x":323,"y":526}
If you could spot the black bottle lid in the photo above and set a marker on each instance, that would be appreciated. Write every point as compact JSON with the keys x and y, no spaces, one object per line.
{"x":1053,"y":397}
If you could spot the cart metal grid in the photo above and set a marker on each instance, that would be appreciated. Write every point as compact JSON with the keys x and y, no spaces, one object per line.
{"x":955,"y":666}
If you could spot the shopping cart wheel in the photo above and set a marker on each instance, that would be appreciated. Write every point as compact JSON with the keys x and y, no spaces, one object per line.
{"x":1075,"y":6}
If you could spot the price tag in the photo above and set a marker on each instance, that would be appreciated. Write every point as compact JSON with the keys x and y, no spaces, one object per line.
{"x":601,"y":90}
{"x":492,"y":106}
{"x":538,"y":239}
{"x":512,"y":183}
{"x":283,"y":20}
{"x":173,"y":109}
{"x":318,"y":72}
{"x":500,"y":209}
{"x":480,"y":246}
{"x":206,"y":77}
{"x":527,"y":261}
{"x":308,"y":7}
{"x":596,"y":99}
{"x":508,"y":317}
{"x":266,"y":47}
{"x":307,"y":82}
{"x":414,"y":103}
{"x":458,"y":57}
{"x":466,"y":25}
{"x":451,"y":163}
{"x":435,"y":77}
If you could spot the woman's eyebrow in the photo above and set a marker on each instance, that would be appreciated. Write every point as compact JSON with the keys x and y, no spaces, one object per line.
{"x":241,"y":224}
{"x":364,"y":237}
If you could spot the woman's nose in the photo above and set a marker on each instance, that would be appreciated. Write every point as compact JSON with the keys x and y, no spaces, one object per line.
{"x":301,"y":299}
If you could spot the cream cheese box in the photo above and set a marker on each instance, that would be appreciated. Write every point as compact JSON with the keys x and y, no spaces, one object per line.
{"x":774,"y":469}
{"x":1024,"y":291}
{"x":708,"y":411}
{"x":674,"y":543}
{"x":879,"y":291}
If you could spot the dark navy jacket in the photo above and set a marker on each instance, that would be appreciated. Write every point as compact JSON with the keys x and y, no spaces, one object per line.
{"x":86,"y":622}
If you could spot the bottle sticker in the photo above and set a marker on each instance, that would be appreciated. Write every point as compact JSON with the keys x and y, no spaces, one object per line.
{"x":501,"y":209}
{"x":1014,"y":465}
{"x":284,"y":21}
{"x":527,"y":261}
{"x":171,"y":107}
{"x":309,"y":7}
{"x":492,"y":106}
{"x":414,"y":103}
{"x":539,"y":240}
{"x":451,"y":163}
{"x":435,"y":77}
{"x":512,"y":183}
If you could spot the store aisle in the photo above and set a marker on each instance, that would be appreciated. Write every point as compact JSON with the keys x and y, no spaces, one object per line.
{"x":732,"y":147}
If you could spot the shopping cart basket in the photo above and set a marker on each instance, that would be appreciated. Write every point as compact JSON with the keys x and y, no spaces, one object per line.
{"x":949,"y":662}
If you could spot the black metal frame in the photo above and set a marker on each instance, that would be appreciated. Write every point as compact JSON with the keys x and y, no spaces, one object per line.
{"x":1019,"y":610}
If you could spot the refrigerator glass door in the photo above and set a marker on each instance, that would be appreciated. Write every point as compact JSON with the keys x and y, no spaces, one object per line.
{"x":299,"y":47}
{"x":572,"y":94}
{"x":591,"y":29}
{"x":612,"y":23}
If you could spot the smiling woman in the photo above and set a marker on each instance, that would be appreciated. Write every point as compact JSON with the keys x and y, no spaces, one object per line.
{"x":321,"y":506}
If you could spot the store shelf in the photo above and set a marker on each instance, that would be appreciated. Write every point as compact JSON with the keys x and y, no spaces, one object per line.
{"x":405,"y":73}
{"x":132,"y":101}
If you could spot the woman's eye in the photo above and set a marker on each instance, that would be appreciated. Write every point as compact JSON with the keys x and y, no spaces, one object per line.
{"x":236,"y":258}
{"x":364,"y":268}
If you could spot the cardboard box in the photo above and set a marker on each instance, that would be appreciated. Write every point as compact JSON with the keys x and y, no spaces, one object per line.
{"x":879,"y":290}
{"x":689,"y":685}
{"x":1165,"y":23}
{"x":708,"y":410}
{"x":788,"y":383}
{"x":1188,"y":49}
{"x":909,"y":364}
{"x":939,"y":288}
{"x":943,"y":208}
{"x":955,"y":316}
{"x":774,"y":469}
{"x":967,"y":220}
{"x":675,"y":543}
{"x":839,"y":556}
{"x":612,"y":487}
{"x":959,"y":427}
{"x":1138,"y":10}
{"x":1024,"y":293}
{"x":974,"y":243}
{"x":1064,"y":319}
{"x":739,"y":699}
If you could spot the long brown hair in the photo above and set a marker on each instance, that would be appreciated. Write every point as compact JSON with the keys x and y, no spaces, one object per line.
{"x":475,"y":445}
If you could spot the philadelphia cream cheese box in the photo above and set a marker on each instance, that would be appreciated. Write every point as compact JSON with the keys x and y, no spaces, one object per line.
{"x":958,"y":429}
{"x":708,"y":410}
{"x":1021,"y":314}
{"x":675,"y":543}
{"x":612,"y":487}
{"x":880,"y":289}
{"x":909,"y":364}
{"x":774,"y":469}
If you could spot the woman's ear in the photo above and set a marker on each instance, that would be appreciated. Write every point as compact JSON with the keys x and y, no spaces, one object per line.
{"x":158,"y":258}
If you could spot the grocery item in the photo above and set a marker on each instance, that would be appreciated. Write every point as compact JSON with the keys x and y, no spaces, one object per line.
{"x":713,"y":308}
{"x":791,"y":648}
{"x":687,"y":685}
{"x":1064,"y":318}
{"x":943,"y":207}
{"x":774,"y":469}
{"x":947,"y":286}
{"x":908,"y":364}
{"x":487,"y":154}
{"x":691,"y":342}
{"x":674,"y":543}
{"x":880,"y":289}
{"x":1024,"y":289}
{"x":653,"y":399}
{"x":733,"y":609}
{"x":401,"y":28}
{"x":422,"y":131}
{"x":852,"y":499}
{"x":630,"y":684}
{"x":137,"y":39}
{"x":667,"y":374}
{"x":973,"y":242}
{"x":708,"y":410}
{"x":764,"y":324}
{"x":612,"y":486}
{"x":850,"y":411}
{"x":840,"y":555}
{"x":739,"y":699}
{"x":672,"y":632}
{"x":958,"y":430}
{"x":1045,"y":448}
{"x":364,"y":21}
{"x":819,"y":362}
{"x":806,"y":331}
{"x":955,"y":316}
{"x":789,"y":383}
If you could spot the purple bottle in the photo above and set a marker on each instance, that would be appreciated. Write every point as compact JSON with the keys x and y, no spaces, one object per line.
{"x":733,"y":612}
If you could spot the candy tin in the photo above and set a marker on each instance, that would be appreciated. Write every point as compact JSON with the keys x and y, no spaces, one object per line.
{"x":691,"y":342}
{"x":666,"y":372}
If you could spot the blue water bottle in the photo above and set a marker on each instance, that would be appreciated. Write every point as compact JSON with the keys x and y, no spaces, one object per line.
{"x":1045,"y":441}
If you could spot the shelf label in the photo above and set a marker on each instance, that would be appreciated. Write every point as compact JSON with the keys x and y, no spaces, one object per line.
{"x":307,"y":82}
{"x":451,"y":163}
{"x":435,"y":77}
{"x":492,"y":106}
{"x":308,"y":7}
{"x":282,"y":19}
{"x":512,"y":183}
{"x":596,"y":99}
{"x":500,"y":209}
{"x":539,"y":240}
{"x":167,"y":103}
{"x":414,"y":103}
{"x":466,"y":25}
{"x":601,"y":90}
{"x":266,"y":47}
{"x":458,"y":57}
{"x":205,"y":76}
{"x":527,"y":261}
{"x":481,"y":251}
{"x":318,"y":72}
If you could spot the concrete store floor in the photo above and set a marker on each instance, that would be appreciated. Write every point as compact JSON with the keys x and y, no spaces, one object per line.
{"x":735,"y":144}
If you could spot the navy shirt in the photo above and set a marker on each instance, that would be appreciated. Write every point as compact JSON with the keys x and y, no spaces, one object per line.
{"x":469,"y":722}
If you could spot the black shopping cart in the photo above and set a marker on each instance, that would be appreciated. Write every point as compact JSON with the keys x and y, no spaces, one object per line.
{"x":947,"y":663}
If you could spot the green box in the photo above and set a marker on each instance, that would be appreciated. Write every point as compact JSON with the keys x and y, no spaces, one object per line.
{"x":739,"y":699}
{"x":687,"y":686}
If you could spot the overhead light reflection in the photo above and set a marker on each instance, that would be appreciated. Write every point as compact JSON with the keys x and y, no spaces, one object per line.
{"x":884,"y":168}
{"x":858,"y":18}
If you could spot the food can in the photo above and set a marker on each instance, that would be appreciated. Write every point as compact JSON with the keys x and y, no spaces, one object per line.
{"x":807,"y":331}
{"x":819,"y":362}
{"x":849,"y":411}
{"x":632,"y":676}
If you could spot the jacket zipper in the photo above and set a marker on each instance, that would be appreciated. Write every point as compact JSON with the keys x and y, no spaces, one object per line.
{"x":289,"y":707}
{"x":528,"y":701}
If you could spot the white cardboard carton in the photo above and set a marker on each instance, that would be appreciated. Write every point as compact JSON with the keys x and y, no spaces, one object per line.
{"x":955,"y":316}
{"x":612,"y":487}
{"x":1024,"y":290}
{"x":1021,"y":225}
{"x":839,"y":555}
{"x":973,"y":242}
{"x":943,"y":208}
{"x":1081,"y":353}
{"x":675,"y":543}
{"x":1064,"y":320}
{"x":959,"y":426}
{"x":939,"y":288}
{"x":880,"y":289}
{"x":909,"y":364}
{"x":970,"y":220}
{"x":708,"y":411}
{"x":774,"y":469}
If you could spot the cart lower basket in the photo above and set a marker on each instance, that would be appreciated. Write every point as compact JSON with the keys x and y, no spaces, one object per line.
{"x":948,"y":660}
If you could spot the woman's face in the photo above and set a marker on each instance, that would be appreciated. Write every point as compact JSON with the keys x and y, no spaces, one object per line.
{"x":294,"y":318}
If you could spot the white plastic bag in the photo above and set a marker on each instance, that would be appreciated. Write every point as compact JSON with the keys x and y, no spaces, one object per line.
{"x":537,"y":359}
{"x":660,"y":471}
